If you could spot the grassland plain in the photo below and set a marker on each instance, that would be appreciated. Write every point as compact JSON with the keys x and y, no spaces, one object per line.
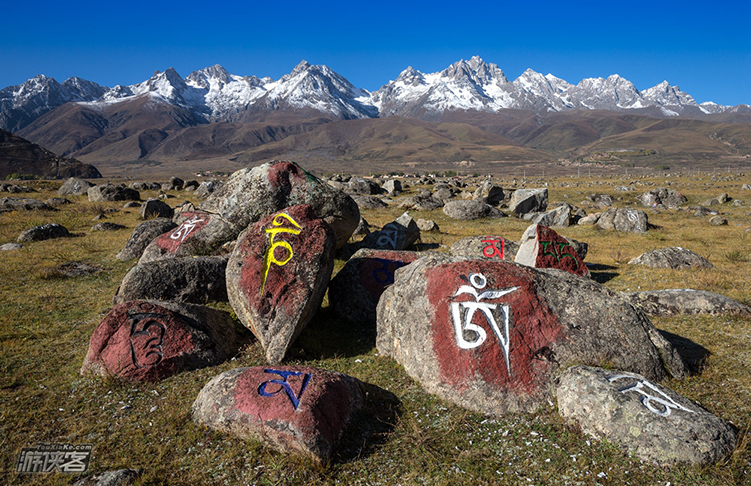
{"x":46,"y":321}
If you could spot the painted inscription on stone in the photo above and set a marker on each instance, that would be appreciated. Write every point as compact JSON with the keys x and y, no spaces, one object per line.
{"x":491,"y":249}
{"x":185,"y":229}
{"x":146,"y":339}
{"x":383,"y":274}
{"x":284,"y":385}
{"x":388,"y":237}
{"x":470,"y":335}
{"x":652,"y":397}
{"x":270,"y":256}
{"x":555,"y":249}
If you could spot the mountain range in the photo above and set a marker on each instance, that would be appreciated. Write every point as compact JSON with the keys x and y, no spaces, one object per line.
{"x":213,"y":114}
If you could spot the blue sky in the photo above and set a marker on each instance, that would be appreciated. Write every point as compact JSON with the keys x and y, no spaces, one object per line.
{"x":703,"y":47}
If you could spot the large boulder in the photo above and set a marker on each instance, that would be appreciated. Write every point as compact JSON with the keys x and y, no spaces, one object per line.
{"x":525,"y":201}
{"x":645,"y":418}
{"x":685,"y":301}
{"x":152,"y":340}
{"x":199,"y":233}
{"x":294,"y":409}
{"x":560,"y":217}
{"x":252,"y":194}
{"x":355,"y":290}
{"x":44,"y":232}
{"x":396,"y":235}
{"x":470,"y":209}
{"x":111,"y":192}
{"x":485,"y":247}
{"x":623,"y":219}
{"x":195,"y":280}
{"x":672,"y":257}
{"x":74,"y":187}
{"x":541,"y":247}
{"x":489,"y":193}
{"x":493,"y":336}
{"x":144,"y":234}
{"x":357,"y":185}
{"x":277,"y":276}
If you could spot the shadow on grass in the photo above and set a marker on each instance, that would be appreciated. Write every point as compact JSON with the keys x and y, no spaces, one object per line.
{"x":328,"y":337}
{"x":599,"y":272}
{"x":693,"y":354}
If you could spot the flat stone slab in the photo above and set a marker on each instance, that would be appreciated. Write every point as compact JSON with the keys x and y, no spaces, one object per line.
{"x":199,"y":234}
{"x":491,"y":336}
{"x":488,"y":247}
{"x":672,"y":257}
{"x":685,"y":301}
{"x":541,"y":247}
{"x":277,"y":276}
{"x":293,"y":409}
{"x":354,"y":291}
{"x":645,"y":418}
{"x":152,"y":340}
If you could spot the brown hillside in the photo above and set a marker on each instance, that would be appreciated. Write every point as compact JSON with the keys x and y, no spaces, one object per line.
{"x":19,"y":156}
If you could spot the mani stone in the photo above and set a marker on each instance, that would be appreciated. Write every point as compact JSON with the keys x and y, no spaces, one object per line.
{"x":623,"y":219}
{"x":152,"y":340}
{"x":355,"y":290}
{"x":154,"y":208}
{"x":541,"y":247}
{"x":252,"y":194}
{"x":396,"y":235}
{"x":487,"y":247}
{"x":492,"y":336}
{"x":277,"y":276}
{"x":525,"y":201}
{"x":672,"y":257}
{"x":293,"y":409}
{"x":469,"y":209}
{"x":685,"y":301}
{"x":645,"y":418}
{"x":23,"y":204}
{"x":44,"y":232}
{"x":111,"y":192}
{"x":195,"y":280}
{"x":74,"y":187}
{"x":144,"y":234}
{"x":199,"y":233}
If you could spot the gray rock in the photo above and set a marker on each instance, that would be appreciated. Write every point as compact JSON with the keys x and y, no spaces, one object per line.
{"x":110,"y":192}
{"x":44,"y":232}
{"x":11,"y":246}
{"x":718,"y":221}
{"x":525,"y":201}
{"x":363,"y":228}
{"x":121,"y":477}
{"x":528,"y":326}
{"x":589,"y":220}
{"x":107,"y":226}
{"x":746,"y":187}
{"x":251,"y":194}
{"x":601,"y":200}
{"x":700,"y":211}
{"x":154,"y":208}
{"x":664,"y":196}
{"x":206,"y":188}
{"x":558,"y":217}
{"x":399,"y":234}
{"x":131,"y":205}
{"x":74,"y":187}
{"x":196,"y":280}
{"x":358,"y":185}
{"x":685,"y":301}
{"x":369,"y":202}
{"x":428,"y":225}
{"x":392,"y":187}
{"x":421,"y":202}
{"x":191,"y":185}
{"x":624,"y":219}
{"x":672,"y":257}
{"x":76,"y":269}
{"x":645,"y":418}
{"x":444,"y":195}
{"x":489,"y":193}
{"x":485,"y":247}
{"x":467,"y":210}
{"x":176,"y":183}
{"x":144,"y":234}
{"x":18,"y":204}
{"x":54,"y":202}
{"x":721,"y":199}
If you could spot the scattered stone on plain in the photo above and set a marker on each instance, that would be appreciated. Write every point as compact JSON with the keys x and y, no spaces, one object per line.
{"x":206,"y":188}
{"x":293,"y":409}
{"x":107,"y":226}
{"x":685,"y":301}
{"x":489,"y":193}
{"x":277,"y":276}
{"x":663,"y":196}
{"x":716,"y":201}
{"x":624,"y":219}
{"x":392,"y":187}
{"x":541,"y":247}
{"x":559,"y":217}
{"x":718,"y":221}
{"x":396,"y":235}
{"x":74,"y":187}
{"x":589,"y":220}
{"x":154,"y":208}
{"x":144,"y":234}
{"x":191,"y":185}
{"x":673,"y":257}
{"x":358,"y":185}
{"x":44,"y":232}
{"x":424,"y":201}
{"x":363,"y":228}
{"x":11,"y":246}
{"x":525,"y":201}
{"x":647,"y":419}
{"x":428,"y":225}
{"x":54,"y":202}
{"x":369,"y":202}
{"x":121,"y":477}
{"x":76,"y":269}
{"x":488,"y":247}
{"x":111,"y":192}
{"x":23,"y":204}
{"x":471,"y":209}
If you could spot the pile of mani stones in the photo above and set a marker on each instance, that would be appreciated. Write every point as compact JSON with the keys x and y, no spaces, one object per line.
{"x":474,"y":327}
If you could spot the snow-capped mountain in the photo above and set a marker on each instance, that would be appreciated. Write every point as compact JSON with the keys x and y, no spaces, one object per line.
{"x":213,"y":94}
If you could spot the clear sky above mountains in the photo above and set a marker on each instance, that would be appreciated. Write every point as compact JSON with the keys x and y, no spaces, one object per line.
{"x":703,"y":47}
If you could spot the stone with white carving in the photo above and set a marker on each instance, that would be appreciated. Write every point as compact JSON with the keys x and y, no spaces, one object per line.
{"x":673,"y":257}
{"x":144,"y":234}
{"x":355,"y":290}
{"x":685,"y":301}
{"x":541,"y":247}
{"x":624,"y":219}
{"x":396,"y":235}
{"x":296,"y":409}
{"x":492,"y":336}
{"x":490,"y":247}
{"x":195,"y":280}
{"x":277,"y":276}
{"x":152,"y":340}
{"x":252,"y":194}
{"x":198,"y":233}
{"x":645,"y":418}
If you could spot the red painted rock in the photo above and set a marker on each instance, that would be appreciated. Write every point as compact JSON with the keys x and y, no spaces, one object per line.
{"x":252,"y":194}
{"x":290,"y":408}
{"x":488,"y":247}
{"x":277,"y":276}
{"x":541,"y":247}
{"x":199,"y":233}
{"x":491,"y":336}
{"x":396,"y":235}
{"x":152,"y":340}
{"x":355,"y":290}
